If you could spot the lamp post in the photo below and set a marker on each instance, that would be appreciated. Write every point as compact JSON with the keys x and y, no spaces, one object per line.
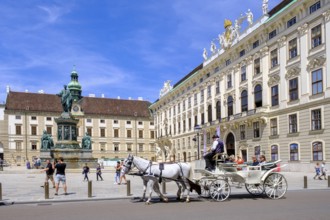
{"x":136,"y":146}
{"x":197,"y":128}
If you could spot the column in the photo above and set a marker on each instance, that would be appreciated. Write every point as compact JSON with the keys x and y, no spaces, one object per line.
{"x":327,"y":40}
{"x":305,"y":75}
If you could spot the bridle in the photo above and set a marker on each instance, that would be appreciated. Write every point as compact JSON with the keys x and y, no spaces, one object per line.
{"x":128,"y":163}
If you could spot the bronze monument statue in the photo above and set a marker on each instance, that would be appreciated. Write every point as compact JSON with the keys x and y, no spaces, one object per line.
{"x":66,"y":99}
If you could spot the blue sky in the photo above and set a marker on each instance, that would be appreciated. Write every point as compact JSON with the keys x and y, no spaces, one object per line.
{"x":121,"y":48}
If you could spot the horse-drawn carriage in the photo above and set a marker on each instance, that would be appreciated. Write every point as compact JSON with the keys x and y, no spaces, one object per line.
{"x":257,"y":180}
{"x":217,"y":185}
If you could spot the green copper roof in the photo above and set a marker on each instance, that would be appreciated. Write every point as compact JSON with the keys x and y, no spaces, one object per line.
{"x":280,"y":11}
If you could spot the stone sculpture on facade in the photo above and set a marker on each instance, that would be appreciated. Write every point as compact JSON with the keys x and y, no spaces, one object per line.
{"x":166,"y":88}
{"x":213,"y":48}
{"x":205,"y":54}
{"x":249,"y":17}
{"x":265,"y":7}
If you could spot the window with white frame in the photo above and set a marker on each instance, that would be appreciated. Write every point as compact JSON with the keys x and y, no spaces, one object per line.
{"x":293,"y":89}
{"x":242,"y":132}
{"x":229,"y":81}
{"x":273,"y":58}
{"x":274,"y":93}
{"x":291,"y":22}
{"x":218,"y":110}
{"x":244,"y":101}
{"x":209,"y":91}
{"x":189,"y":102}
{"x":228,"y":62}
{"x":116,"y":147}
{"x":257,"y":151}
{"x":195,"y":99}
{"x":141,"y":149}
{"x":256,"y":129}
{"x":242,"y":53}
{"x":243,"y":73}
{"x":274,"y":152}
{"x":217,"y":87}
{"x":316,"y":36}
{"x":317,"y":82}
{"x":293,"y":124}
{"x":316,"y":6}
{"x":316,"y":119}
{"x":257,"y":66}
{"x":317,"y":151}
{"x":255,"y":44}
{"x":230,"y":105}
{"x":202,"y":95}
{"x":258,"y":96}
{"x":294,"y":152}
{"x":273,"y":127}
{"x":272,"y":34}
{"x":293,"y":48}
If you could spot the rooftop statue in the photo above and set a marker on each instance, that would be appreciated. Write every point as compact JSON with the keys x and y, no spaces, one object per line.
{"x":213,"y":48}
{"x":66,"y":99}
{"x":249,"y":17}
{"x":205,"y":54}
{"x":264,"y":7}
{"x":166,"y":88}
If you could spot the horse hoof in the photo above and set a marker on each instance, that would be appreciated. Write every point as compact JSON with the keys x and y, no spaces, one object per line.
{"x":165,"y":199}
{"x":187,"y":201}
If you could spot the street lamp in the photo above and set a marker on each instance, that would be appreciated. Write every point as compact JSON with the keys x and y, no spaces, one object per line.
{"x":136,"y":146}
{"x":197,"y":128}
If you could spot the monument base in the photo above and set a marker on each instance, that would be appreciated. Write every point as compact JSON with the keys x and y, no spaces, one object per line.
{"x":74,"y":158}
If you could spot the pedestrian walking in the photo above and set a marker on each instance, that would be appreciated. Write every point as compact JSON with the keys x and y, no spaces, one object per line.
{"x":317,"y":171}
{"x":98,"y":173}
{"x":323,"y":171}
{"x":117,"y":174}
{"x":85,"y":172}
{"x":60,"y":175}
{"x":28,"y":165}
{"x":49,"y":173}
{"x":122,"y":173}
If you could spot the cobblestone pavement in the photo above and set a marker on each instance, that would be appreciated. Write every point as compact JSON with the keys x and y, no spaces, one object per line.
{"x":24,"y":186}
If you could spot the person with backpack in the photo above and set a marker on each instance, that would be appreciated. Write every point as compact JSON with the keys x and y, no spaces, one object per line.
{"x":217,"y":147}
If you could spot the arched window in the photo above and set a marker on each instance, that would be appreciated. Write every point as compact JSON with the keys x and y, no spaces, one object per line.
{"x":209,"y":113}
{"x":294,"y":152}
{"x":218,"y":110}
{"x":274,"y":152}
{"x":244,"y":101}
{"x":258,"y":96}
{"x":257,"y":151}
{"x":230,"y":103}
{"x":317,"y":151}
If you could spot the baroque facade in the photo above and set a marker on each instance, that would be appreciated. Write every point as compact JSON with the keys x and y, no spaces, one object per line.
{"x":117,"y":127}
{"x":265,"y":91}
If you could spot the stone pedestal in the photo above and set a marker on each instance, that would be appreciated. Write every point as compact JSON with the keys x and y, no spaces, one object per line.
{"x":67,"y":145}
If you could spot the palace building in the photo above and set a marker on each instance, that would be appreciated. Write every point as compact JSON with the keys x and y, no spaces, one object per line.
{"x":117,"y":127}
{"x":265,"y":91}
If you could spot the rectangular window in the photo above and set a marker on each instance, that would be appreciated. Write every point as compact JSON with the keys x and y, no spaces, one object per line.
{"x":274,"y":153}
{"x":272,"y":34}
{"x":317,"y":82}
{"x":208,"y":75}
{"x":140,"y":133}
{"x":102,"y":147}
{"x":129,"y":133}
{"x":257,"y":151}
{"x":228,"y":62}
{"x":48,"y":118}
{"x":152,"y":123}
{"x":217,"y":88}
{"x":208,"y":91}
{"x":49,"y":130}
{"x":129,"y":147}
{"x":189,"y":102}
{"x":89,"y":131}
{"x":293,"y":52}
{"x":195,"y":99}
{"x":33,"y":118}
{"x":255,"y":44}
{"x":242,"y":131}
{"x":293,"y":89}
{"x":179,"y":108}
{"x":140,"y":123}
{"x":294,"y":156}
{"x":184,"y":105}
{"x":273,"y":127}
{"x":116,"y":147}
{"x":257,"y":66}
{"x":243,"y":73}
{"x":200,"y":80}
{"x":229,"y":81}
{"x":202,"y":118}
{"x":116,"y":133}
{"x":315,"y":7}
{"x":242,"y":53}
{"x":115,"y":121}
{"x":316,"y":36}
{"x":33,"y":146}
{"x":317,"y":151}
{"x":274,"y":91}
{"x":102,"y":132}
{"x":293,"y":126}
{"x":291,"y":22}
{"x":128,"y":122}
{"x":316,"y":119}
{"x":18,"y":146}
{"x":17,"y":117}
{"x":152,"y":134}
{"x":256,"y":130}
{"x":102,"y":121}
{"x":140,"y":147}
{"x":273,"y":58}
{"x":18,"y":129}
{"x":202,"y":95}
{"x":216,"y":69}
{"x":33,"y":130}
{"x":89,"y":120}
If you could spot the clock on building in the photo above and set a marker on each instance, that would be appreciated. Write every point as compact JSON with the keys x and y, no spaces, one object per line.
{"x":75,"y":108}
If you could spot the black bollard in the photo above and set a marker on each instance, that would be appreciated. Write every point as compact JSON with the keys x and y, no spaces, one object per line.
{"x":0,"y":192}
{"x":90,"y":189}
{"x":305,"y":182}
{"x":128,"y":187}
{"x":328,"y":182}
{"x":46,"y":187}
{"x":164,"y":187}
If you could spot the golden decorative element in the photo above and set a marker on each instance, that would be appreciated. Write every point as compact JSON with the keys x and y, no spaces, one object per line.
{"x":227,"y":23}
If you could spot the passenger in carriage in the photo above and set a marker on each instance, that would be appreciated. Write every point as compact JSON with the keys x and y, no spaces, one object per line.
{"x":217,"y":147}
{"x":239,"y":161}
{"x":255,"y":162}
{"x":262,"y":160}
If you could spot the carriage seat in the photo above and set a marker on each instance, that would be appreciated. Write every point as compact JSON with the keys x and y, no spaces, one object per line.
{"x":229,"y":167}
{"x":219,"y":158}
{"x":268,"y":166}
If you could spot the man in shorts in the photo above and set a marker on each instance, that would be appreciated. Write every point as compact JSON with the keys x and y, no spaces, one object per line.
{"x":49,"y":173}
{"x":60,"y":176}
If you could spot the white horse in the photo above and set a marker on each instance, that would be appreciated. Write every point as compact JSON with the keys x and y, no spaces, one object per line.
{"x":178,"y":172}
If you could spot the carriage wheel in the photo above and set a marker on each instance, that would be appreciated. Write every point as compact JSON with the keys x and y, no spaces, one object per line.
{"x":220,"y":190}
{"x":255,"y":189}
{"x":205,"y":187}
{"x":275,"y":186}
